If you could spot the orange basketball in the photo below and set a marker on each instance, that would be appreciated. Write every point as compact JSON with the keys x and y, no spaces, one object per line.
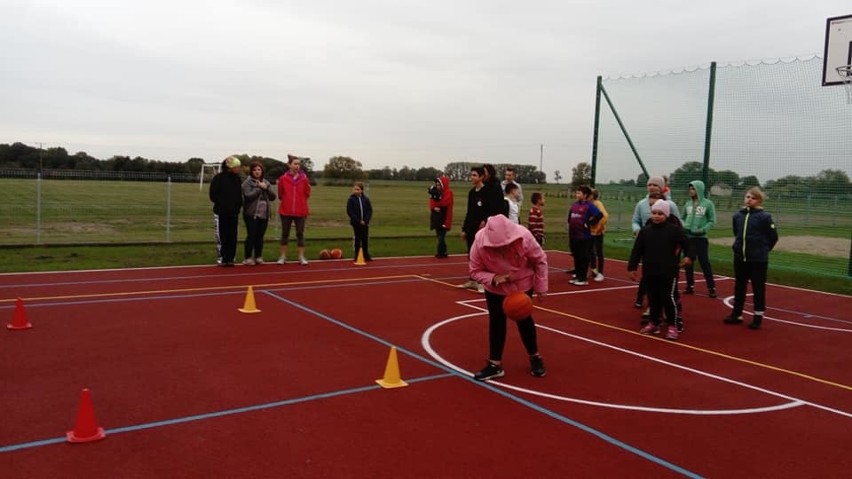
{"x":517,"y":306}
{"x":325,"y":254}
{"x":337,"y":253}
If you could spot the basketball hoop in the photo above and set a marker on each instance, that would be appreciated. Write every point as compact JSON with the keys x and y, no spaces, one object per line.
{"x":845,"y":74}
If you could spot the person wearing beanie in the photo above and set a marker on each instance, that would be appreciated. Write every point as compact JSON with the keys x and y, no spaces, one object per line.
{"x":641,"y":215}
{"x":658,"y":247}
{"x":226,"y":193}
{"x":755,"y":236}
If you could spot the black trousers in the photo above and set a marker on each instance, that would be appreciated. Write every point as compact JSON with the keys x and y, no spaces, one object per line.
{"x":255,"y":229}
{"x":361,"y":235}
{"x":497,"y":328}
{"x":745,"y":271}
{"x":661,"y":297}
{"x":228,"y":225}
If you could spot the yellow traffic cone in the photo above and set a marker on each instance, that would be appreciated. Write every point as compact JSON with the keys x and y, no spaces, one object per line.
{"x":360,"y":260}
{"x":392,"y":379}
{"x":249,"y":306}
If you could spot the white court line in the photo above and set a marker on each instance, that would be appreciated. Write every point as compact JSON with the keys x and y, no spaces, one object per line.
{"x":729,"y":300}
{"x":793,"y":402}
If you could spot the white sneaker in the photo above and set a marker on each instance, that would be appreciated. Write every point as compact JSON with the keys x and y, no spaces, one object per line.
{"x":258,"y":261}
{"x":303,"y":261}
{"x":480,"y":289}
{"x":249,"y":262}
{"x":281,"y":260}
{"x":599,"y":277}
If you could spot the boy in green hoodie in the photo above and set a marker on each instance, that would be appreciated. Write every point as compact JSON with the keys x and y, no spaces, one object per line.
{"x":699,"y":219}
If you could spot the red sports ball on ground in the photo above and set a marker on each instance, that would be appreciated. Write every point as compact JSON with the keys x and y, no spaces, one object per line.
{"x":337,"y":253}
{"x":325,"y":254}
{"x":517,"y":306}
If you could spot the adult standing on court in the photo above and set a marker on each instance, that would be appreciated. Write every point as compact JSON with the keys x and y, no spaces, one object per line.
{"x":505,"y":257}
{"x":294,"y":189}
{"x":257,"y":198}
{"x":441,"y":212}
{"x":227,"y":197}
{"x":700,"y":217}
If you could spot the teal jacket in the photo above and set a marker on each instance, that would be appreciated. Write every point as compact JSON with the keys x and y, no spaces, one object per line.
{"x":700,"y":217}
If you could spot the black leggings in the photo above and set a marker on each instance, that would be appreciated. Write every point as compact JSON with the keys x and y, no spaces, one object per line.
{"x":497,"y":328}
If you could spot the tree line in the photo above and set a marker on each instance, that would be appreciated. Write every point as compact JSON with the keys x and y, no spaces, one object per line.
{"x":19,"y":155}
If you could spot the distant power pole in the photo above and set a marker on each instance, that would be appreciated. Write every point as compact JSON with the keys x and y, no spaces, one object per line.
{"x":541,"y":157}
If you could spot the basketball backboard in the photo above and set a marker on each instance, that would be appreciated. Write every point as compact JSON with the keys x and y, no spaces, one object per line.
{"x":838,"y":48}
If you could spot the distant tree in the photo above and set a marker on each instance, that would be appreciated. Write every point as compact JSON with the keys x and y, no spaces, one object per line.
{"x":833,"y":182}
{"x":343,"y":167}
{"x":689,"y":171}
{"x":727,"y":177}
{"x":557,"y":176}
{"x":427,"y":173}
{"x":458,"y":170}
{"x":581,"y":174}
{"x":642,"y":179}
{"x":749,"y":181}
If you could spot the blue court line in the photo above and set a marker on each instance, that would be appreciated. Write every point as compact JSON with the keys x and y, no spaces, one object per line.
{"x":566,"y":420}
{"x":217,"y":414}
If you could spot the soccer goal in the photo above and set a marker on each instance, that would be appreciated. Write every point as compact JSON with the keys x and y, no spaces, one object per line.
{"x":213,"y":167}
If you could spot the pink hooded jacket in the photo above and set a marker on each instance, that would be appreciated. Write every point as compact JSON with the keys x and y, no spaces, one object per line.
{"x":504,"y":247}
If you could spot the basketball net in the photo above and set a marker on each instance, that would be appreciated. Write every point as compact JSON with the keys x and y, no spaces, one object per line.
{"x":845,"y":74}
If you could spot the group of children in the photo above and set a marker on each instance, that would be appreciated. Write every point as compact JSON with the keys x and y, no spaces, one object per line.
{"x":664,"y":245}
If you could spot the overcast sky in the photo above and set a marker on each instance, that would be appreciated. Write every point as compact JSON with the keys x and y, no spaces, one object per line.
{"x":389,"y":83}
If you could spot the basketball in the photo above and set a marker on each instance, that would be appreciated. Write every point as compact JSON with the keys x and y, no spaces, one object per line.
{"x":517,"y":306}
{"x":325,"y":254}
{"x":337,"y":253}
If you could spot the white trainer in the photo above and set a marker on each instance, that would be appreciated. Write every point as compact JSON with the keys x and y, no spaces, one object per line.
{"x":599,"y":277}
{"x":259,"y":261}
{"x":303,"y":261}
{"x":249,"y":262}
{"x":281,"y":260}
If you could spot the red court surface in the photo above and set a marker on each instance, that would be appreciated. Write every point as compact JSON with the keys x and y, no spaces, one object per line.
{"x":186,"y":385}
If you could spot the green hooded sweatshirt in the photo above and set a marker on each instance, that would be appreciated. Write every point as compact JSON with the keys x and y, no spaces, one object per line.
{"x":700,"y":215}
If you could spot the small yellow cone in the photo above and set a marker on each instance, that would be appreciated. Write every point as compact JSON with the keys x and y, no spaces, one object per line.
{"x":360,"y":260}
{"x":249,"y":306}
{"x":392,"y":379}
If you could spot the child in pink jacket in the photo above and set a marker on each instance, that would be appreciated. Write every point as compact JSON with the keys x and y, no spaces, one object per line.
{"x":505,"y":257}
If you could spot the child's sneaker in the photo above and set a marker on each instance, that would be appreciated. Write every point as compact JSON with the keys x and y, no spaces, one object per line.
{"x":303,"y":261}
{"x":650,"y":328}
{"x":599,"y":277}
{"x":672,"y":333}
{"x":731,"y":319}
{"x":490,"y":371}
{"x":637,"y":304}
{"x":689,"y":290}
{"x":281,"y":260}
{"x":258,"y":261}
{"x":537,"y":367}
{"x":249,"y":262}
{"x":679,"y":325}
{"x":711,"y":292}
{"x":755,"y":322}
{"x":647,"y":313}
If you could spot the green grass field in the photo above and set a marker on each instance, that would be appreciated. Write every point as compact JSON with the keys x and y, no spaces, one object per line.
{"x":97,"y":224}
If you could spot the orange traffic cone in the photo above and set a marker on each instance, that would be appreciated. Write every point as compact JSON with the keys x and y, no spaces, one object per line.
{"x":86,"y":426}
{"x":19,"y":319}
{"x":392,"y":378}
{"x":248,"y":305}
{"x":360,"y":260}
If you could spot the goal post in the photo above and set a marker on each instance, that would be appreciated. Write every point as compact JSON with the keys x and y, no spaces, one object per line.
{"x":213,"y":167}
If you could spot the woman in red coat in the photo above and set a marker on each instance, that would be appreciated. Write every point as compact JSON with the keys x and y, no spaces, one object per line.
{"x":294,"y":189}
